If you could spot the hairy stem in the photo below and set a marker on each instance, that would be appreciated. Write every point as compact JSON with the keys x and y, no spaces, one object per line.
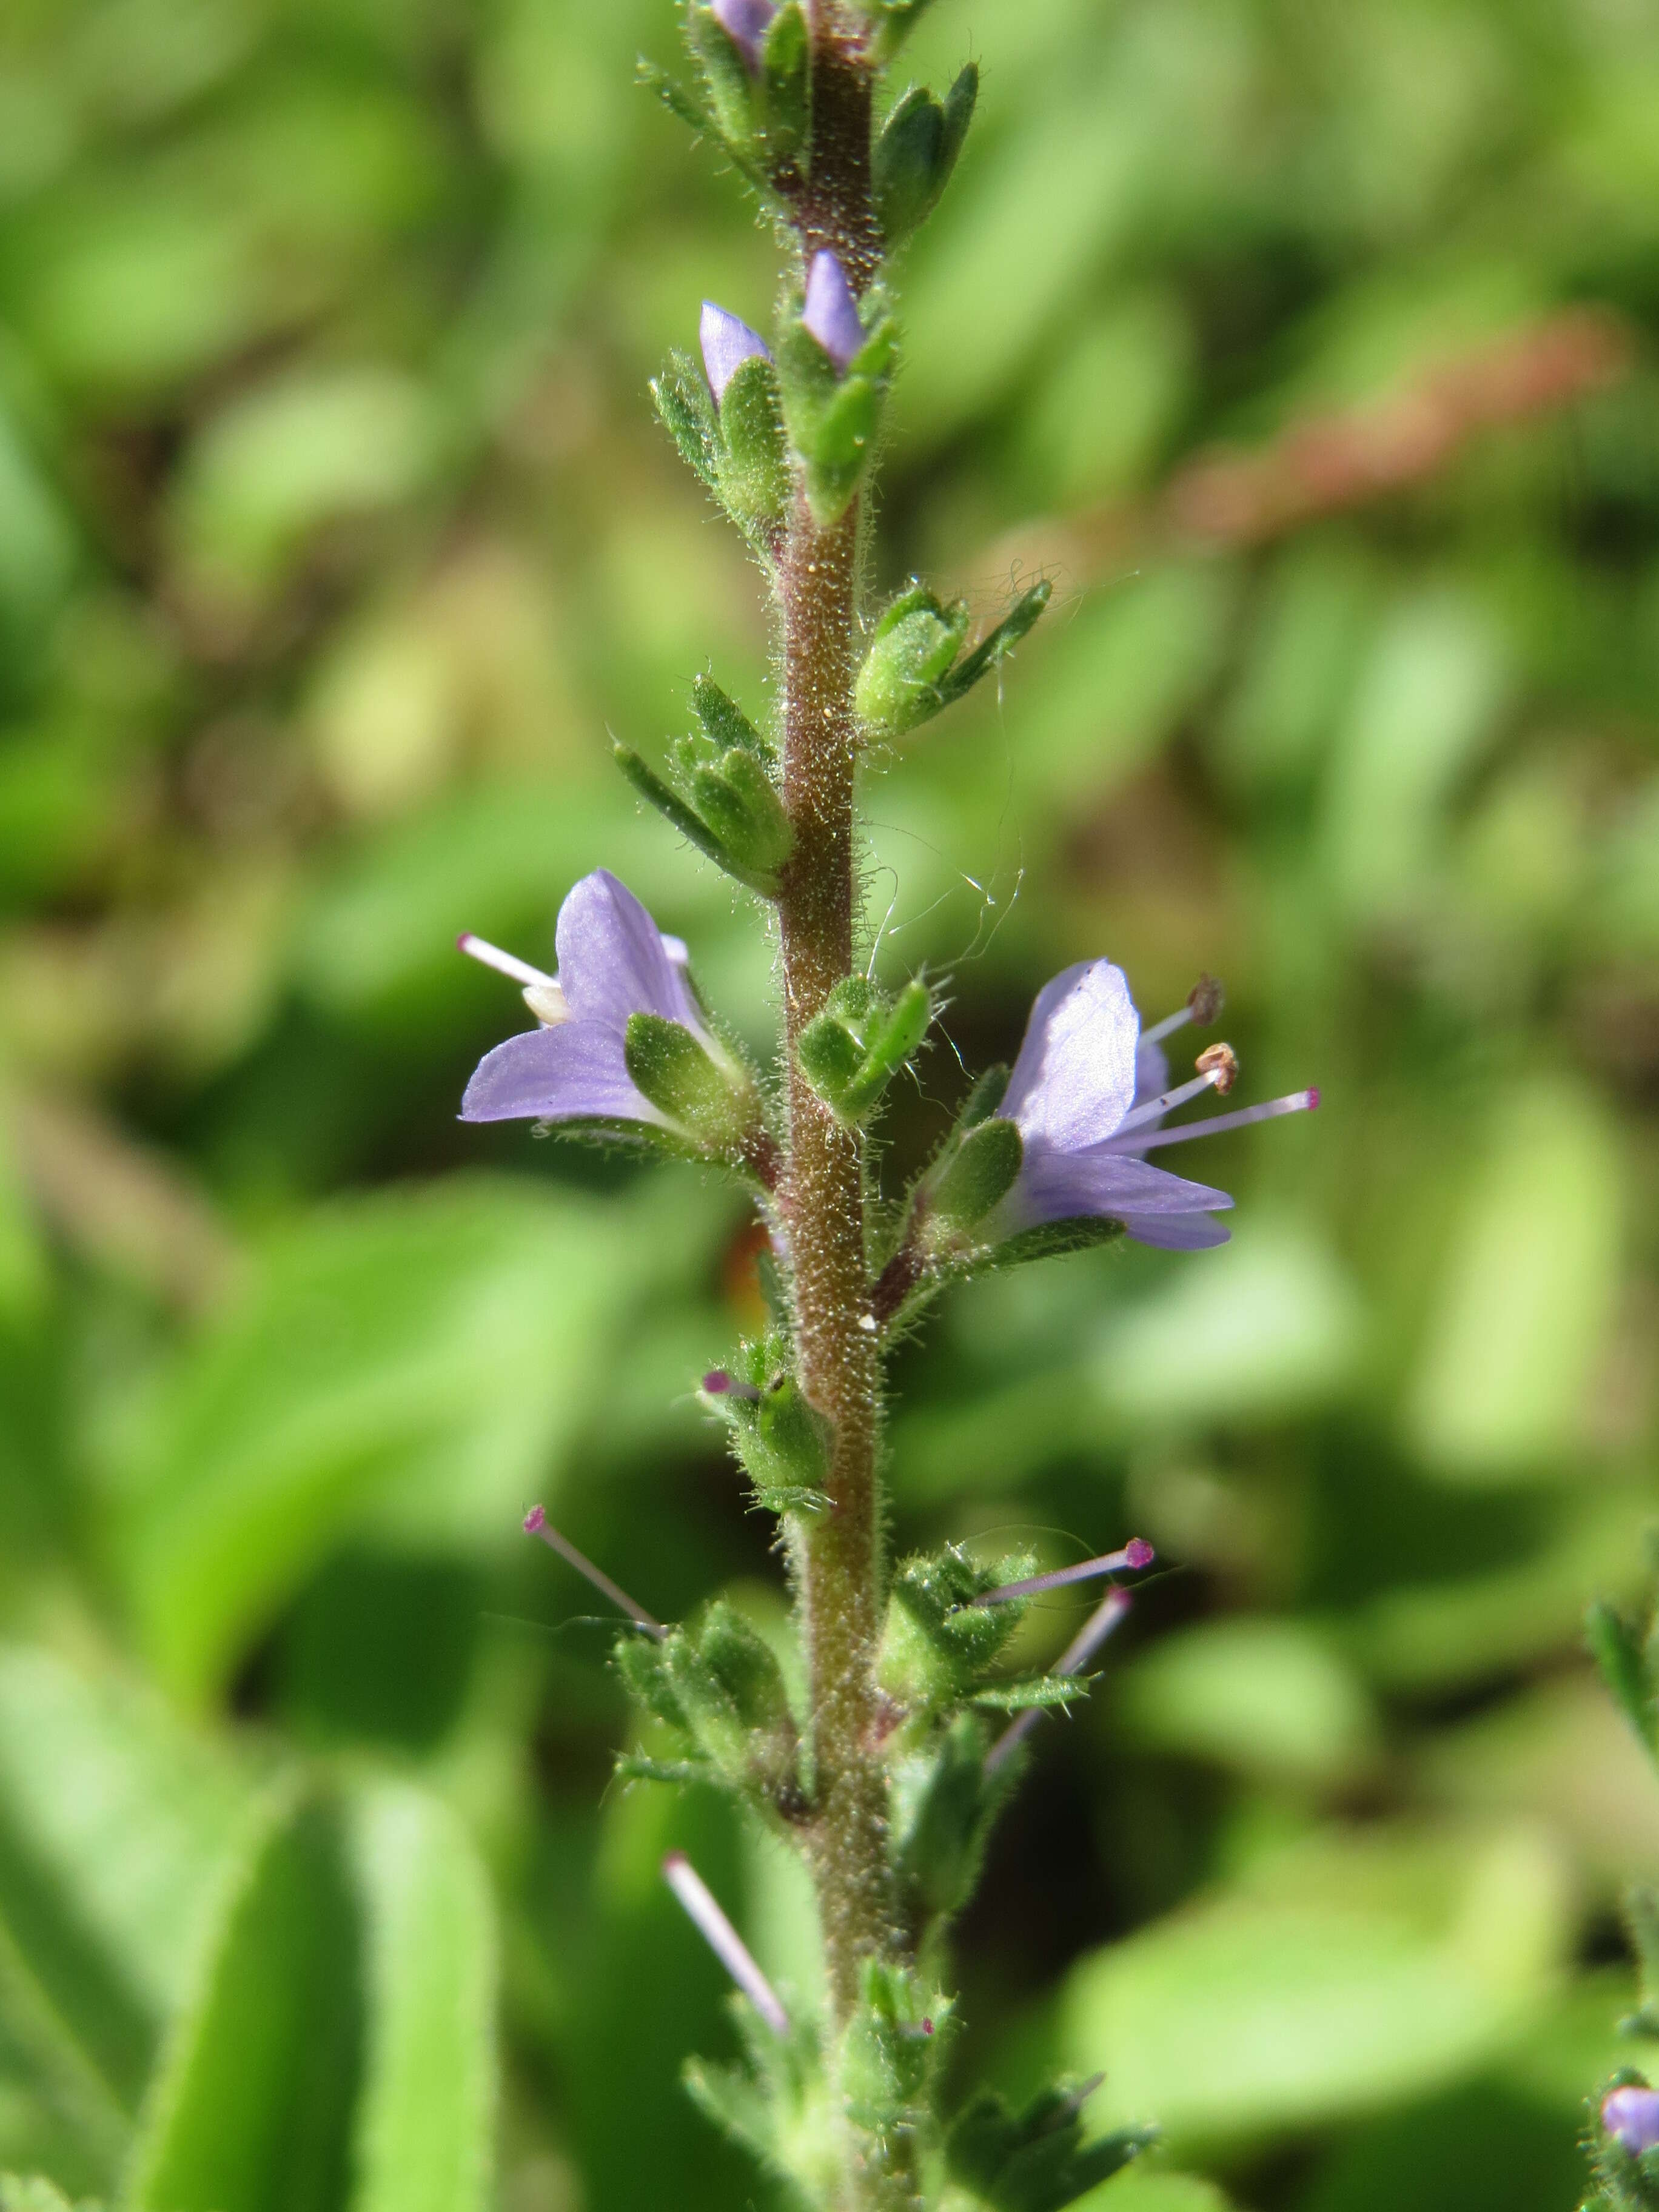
{"x":821,"y":1195}
{"x":823,"y":1206}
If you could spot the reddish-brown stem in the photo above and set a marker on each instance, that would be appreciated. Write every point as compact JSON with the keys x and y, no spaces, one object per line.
{"x":822,"y":1192}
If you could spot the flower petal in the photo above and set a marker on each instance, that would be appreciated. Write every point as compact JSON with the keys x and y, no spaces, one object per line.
{"x":746,"y":22}
{"x":575,"y":1073}
{"x":613,"y":960}
{"x":727,"y":342}
{"x":1177,"y":1232}
{"x":1151,"y":1073}
{"x":1075,"y":1078}
{"x":1056,"y":1185}
{"x":831,"y":313}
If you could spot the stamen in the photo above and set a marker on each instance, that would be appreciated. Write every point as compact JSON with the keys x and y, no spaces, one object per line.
{"x":535,"y":1523}
{"x":723,"y":1940}
{"x":504,"y":964}
{"x":541,"y":993}
{"x":1206,"y":999}
{"x":1077,"y":1655}
{"x":1137,"y":1553}
{"x":1169,"y":1100}
{"x":1204,"y":1002}
{"x":549,"y":1004}
{"x":1221,"y":1063}
{"x":1297,"y":1101}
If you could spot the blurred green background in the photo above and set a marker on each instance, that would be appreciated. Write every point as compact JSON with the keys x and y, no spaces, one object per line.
{"x":335,"y":533}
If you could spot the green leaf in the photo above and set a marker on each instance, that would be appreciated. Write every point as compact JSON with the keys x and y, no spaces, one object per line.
{"x":34,"y":2193}
{"x":404,"y":1360}
{"x":940,"y":1808}
{"x":724,"y":722}
{"x":895,"y":20}
{"x":687,"y":408}
{"x":1034,"y":2160}
{"x":690,"y":824}
{"x":1618,"y":1651}
{"x":424,"y":2132}
{"x":252,"y":2109}
{"x":754,"y":466}
{"x":1272,"y":1698}
{"x":1335,"y":1977}
{"x":1515,"y":1338}
{"x":992,"y":650}
{"x":115,"y":1823}
{"x":1267,"y":1325}
{"x":1031,"y":1693}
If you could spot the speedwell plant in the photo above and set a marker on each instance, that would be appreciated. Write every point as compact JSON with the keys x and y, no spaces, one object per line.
{"x":886,"y":1775}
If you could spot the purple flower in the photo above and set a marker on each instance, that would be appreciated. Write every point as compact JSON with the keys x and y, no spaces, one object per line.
{"x":1088,"y":1095}
{"x":746,"y":22}
{"x":613,"y":962}
{"x":831,"y":313}
{"x":726,"y":344}
{"x":1631,"y":2117}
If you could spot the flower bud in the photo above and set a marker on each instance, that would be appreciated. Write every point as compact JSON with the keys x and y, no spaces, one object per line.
{"x":831,"y":313}
{"x":738,"y":801}
{"x":747,"y":805}
{"x":727,"y":1681}
{"x":912,"y":160}
{"x":936,"y":1642}
{"x":1631,"y":2117}
{"x":755,"y":60}
{"x":727,"y":342}
{"x":915,"y":643}
{"x":782,"y":1444}
{"x":745,"y":23}
{"x":890,"y":2047}
{"x":851,"y":1049}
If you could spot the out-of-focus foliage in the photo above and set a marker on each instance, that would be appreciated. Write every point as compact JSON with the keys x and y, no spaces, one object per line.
{"x":335,"y":535}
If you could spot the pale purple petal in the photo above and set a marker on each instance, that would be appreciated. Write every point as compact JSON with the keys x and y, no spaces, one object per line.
{"x":613,"y":960}
{"x":726,"y":344}
{"x":1075,"y":1078}
{"x":1632,"y":2114}
{"x":1152,"y":1081}
{"x":1177,"y":1232}
{"x":745,"y":23}
{"x":831,"y":313}
{"x":1055,"y":1185}
{"x":1151,"y":1073}
{"x":575,"y":1073}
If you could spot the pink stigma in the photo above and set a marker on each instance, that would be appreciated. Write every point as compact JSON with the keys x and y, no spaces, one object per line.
{"x":535,"y":1521}
{"x":1313,"y":1101}
{"x":1138,"y":1553}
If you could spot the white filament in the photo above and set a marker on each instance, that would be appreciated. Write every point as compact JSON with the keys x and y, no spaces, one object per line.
{"x":723,"y":1940}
